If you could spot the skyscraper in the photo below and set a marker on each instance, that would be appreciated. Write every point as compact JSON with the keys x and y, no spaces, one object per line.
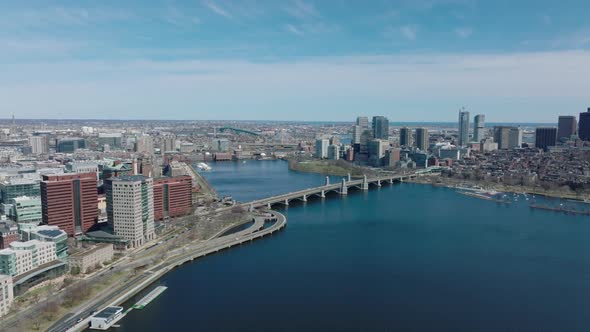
{"x":508,"y":137}
{"x":463,"y":128}
{"x":405,"y":136}
{"x":479,"y":128}
{"x":567,"y":126}
{"x":321,"y":148}
{"x":39,"y":144}
{"x":380,"y":127}
{"x":584,"y":126}
{"x":422,"y":139}
{"x":545,"y":137}
{"x":70,"y":201}
{"x":363,"y":122}
{"x":357,"y":131}
{"x":130,"y":208}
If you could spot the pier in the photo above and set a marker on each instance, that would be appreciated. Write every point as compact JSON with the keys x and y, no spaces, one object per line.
{"x":150,"y":297}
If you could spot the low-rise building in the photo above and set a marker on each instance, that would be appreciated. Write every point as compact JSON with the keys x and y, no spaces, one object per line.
{"x":47,"y":233}
{"x":8,"y":233}
{"x":23,"y":257}
{"x":6,"y":294}
{"x":25,"y":209}
{"x":90,"y":257}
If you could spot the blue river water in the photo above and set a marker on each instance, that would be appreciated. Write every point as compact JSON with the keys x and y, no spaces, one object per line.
{"x":406,"y":257}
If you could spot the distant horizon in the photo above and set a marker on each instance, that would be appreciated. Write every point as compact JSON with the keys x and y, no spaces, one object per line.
{"x":8,"y":120}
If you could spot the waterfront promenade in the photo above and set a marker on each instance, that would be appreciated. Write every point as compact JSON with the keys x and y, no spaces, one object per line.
{"x":179,"y":257}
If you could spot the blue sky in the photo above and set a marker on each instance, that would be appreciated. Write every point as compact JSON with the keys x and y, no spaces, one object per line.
{"x":410,"y":60}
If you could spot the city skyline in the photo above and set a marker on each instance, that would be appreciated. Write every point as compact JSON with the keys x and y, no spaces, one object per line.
{"x":317,"y":59}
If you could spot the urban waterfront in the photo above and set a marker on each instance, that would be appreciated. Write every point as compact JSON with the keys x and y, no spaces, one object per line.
{"x":407,"y":257}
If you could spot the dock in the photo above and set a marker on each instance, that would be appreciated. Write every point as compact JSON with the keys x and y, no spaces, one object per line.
{"x":150,"y":297}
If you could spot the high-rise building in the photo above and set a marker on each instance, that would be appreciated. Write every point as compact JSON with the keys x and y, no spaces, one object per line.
{"x":422,"y":139}
{"x":479,"y":128}
{"x":321,"y":148}
{"x":333,"y":152}
{"x":363,"y":122}
{"x":130,"y":208}
{"x":377,"y":148}
{"x":357,"y":131}
{"x":39,"y":144}
{"x":508,"y":137}
{"x":380,"y":127}
{"x":405,"y":136}
{"x":144,"y":144}
{"x":463,"y":128}
{"x":545,"y":137}
{"x":168,"y":144}
{"x":70,"y":201}
{"x":584,"y":126}
{"x":566,"y":127}
{"x":172,"y":197}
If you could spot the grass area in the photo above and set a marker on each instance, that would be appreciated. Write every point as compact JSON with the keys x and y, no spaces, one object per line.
{"x":327,"y":167}
{"x":56,"y":308}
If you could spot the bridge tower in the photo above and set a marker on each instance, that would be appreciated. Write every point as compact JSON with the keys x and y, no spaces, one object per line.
{"x":327,"y":181}
{"x":343,"y":188}
{"x":365,"y":184}
{"x":349,"y":177}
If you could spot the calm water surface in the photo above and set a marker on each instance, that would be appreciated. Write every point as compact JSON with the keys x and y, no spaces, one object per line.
{"x":404,"y":257}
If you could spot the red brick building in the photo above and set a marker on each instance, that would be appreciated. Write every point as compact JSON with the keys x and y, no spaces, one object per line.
{"x":172,"y":196}
{"x":8,"y":234}
{"x":70,"y":201}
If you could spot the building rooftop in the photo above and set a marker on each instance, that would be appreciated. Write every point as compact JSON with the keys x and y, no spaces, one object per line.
{"x":89,"y":251}
{"x":108,"y":312}
{"x":131,"y":178}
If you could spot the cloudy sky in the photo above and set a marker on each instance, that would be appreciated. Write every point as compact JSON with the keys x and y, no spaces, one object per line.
{"x":410,"y":60}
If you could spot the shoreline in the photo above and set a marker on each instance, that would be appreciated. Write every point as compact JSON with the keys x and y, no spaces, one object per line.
{"x":506,"y":189}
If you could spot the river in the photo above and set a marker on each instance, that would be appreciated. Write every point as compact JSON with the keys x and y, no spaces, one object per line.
{"x":402,"y":257}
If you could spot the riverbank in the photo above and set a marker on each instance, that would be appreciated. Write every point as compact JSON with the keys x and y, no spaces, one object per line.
{"x":328,"y":167}
{"x":455,"y":183}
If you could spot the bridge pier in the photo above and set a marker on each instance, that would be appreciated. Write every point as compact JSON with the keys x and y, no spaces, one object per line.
{"x":391,"y":181}
{"x":343,"y":188}
{"x":365,"y":184}
{"x":323,"y":194}
{"x":304,"y":198}
{"x":378,"y":183}
{"x":286,"y":202}
{"x":251,"y":208}
{"x":268,"y":206}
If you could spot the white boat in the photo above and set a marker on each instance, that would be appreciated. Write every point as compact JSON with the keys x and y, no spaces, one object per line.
{"x":203,"y":167}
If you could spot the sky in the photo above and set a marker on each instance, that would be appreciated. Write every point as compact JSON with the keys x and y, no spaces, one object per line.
{"x":309,"y":60}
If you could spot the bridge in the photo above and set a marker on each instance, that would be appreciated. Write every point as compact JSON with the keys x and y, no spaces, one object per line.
{"x":341,"y":188}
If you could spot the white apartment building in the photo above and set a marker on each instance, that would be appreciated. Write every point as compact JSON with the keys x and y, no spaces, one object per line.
{"x":39,"y":144}
{"x":132,"y":208}
{"x":23,"y":257}
{"x":6,"y":294}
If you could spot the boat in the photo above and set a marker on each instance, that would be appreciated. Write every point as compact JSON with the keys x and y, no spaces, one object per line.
{"x":484,"y":195}
{"x":203,"y":167}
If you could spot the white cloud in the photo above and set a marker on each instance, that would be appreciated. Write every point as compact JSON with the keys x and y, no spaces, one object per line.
{"x":532,"y":81}
{"x":464,"y":32}
{"x":293,"y":29}
{"x":217,"y":9}
{"x":301,"y":9}
{"x":409,"y":32}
